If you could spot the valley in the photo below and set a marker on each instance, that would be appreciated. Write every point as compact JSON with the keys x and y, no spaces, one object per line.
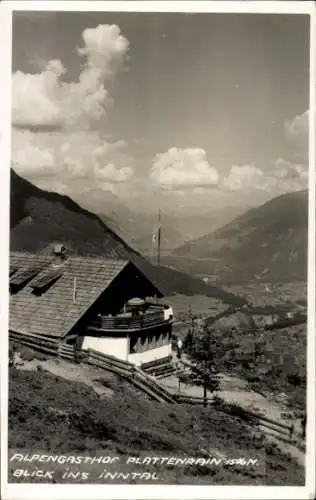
{"x":158,"y":325}
{"x":136,"y":228}
{"x":263,"y":370}
{"x":275,"y":232}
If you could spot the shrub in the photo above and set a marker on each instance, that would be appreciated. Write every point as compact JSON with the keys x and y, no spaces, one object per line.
{"x":294,"y":379}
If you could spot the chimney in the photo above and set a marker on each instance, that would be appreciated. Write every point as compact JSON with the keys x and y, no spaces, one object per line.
{"x":59,"y":251}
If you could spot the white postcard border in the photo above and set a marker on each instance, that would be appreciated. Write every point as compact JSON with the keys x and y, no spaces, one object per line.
{"x":78,"y":492}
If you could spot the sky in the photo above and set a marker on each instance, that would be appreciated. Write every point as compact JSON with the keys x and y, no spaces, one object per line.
{"x":187,"y":112}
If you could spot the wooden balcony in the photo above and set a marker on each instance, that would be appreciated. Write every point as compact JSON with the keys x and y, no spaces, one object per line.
{"x":129,"y":323}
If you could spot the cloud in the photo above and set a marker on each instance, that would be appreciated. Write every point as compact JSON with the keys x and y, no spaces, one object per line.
{"x":242,"y":177}
{"x":178,"y":170}
{"x":298,"y":127}
{"x":287,"y":170}
{"x":56,"y":124}
{"x":36,"y":97}
{"x":183,"y":168}
{"x":280,"y":177}
{"x":45,"y":99}
{"x":53,"y":158}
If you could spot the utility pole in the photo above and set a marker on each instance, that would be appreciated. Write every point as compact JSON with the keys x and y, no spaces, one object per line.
{"x":159,"y":237}
{"x":192,"y":321}
{"x":156,"y":240}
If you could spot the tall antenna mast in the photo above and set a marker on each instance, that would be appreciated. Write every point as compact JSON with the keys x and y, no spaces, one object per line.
{"x":159,"y":237}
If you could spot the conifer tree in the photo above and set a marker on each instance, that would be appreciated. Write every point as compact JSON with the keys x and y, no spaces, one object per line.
{"x":203,"y":366}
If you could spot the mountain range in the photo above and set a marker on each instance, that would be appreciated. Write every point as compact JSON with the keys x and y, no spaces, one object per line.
{"x":136,"y":228}
{"x":40,"y":218}
{"x":268,"y":242}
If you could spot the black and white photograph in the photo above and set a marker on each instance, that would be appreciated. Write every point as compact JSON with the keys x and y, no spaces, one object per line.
{"x":158,"y":273}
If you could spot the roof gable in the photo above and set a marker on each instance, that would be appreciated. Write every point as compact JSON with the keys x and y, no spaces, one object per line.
{"x":56,"y":311}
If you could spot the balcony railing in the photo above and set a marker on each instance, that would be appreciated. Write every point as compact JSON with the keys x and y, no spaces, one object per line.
{"x":134,"y":322}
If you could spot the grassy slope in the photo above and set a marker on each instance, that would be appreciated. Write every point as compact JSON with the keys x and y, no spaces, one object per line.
{"x":39,"y":217}
{"x":276,"y":233}
{"x":130,"y":425}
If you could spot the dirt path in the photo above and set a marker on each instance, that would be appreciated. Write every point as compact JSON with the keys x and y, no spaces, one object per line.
{"x":85,"y":374}
{"x":235,"y":390}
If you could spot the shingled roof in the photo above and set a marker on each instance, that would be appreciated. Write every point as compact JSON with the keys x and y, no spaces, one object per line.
{"x":54,"y":312}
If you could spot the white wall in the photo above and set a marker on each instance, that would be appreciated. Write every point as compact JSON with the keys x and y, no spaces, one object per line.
{"x":151,"y":355}
{"x":167,"y":313}
{"x":118,"y":347}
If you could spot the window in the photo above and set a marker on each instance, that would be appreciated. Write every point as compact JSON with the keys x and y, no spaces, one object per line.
{"x":21,"y":277}
{"x":41,"y":283}
{"x":13,"y":269}
{"x":133,"y":344}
